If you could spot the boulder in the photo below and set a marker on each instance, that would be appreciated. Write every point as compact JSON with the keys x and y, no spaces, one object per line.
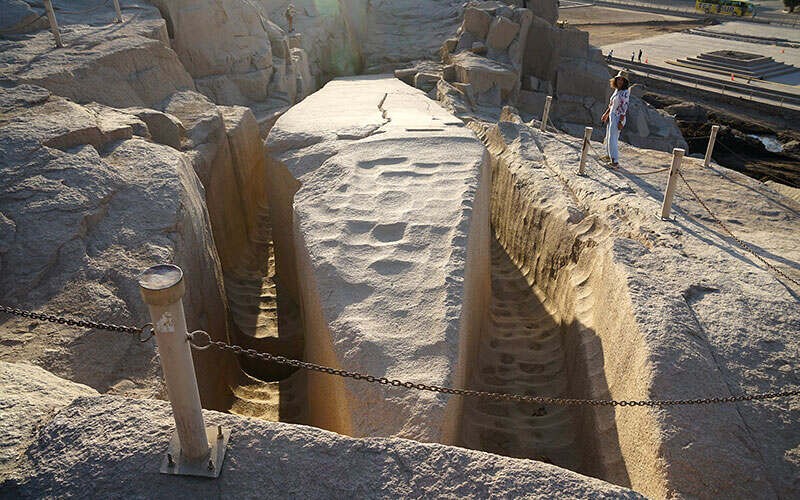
{"x":465,"y":41}
{"x":546,"y":9}
{"x":448,"y":47}
{"x":163,"y":127}
{"x":476,"y":22}
{"x":479,"y":48}
{"x":31,"y":395}
{"x":650,"y":128}
{"x":688,"y":112}
{"x":20,"y":17}
{"x":483,"y":74}
{"x":105,"y":446}
{"x":119,"y":65}
{"x":426,"y":81}
{"x":542,"y":50}
{"x":502,"y":32}
{"x":89,"y":210}
{"x":396,"y":32}
{"x":580,"y":77}
{"x":234,"y":65}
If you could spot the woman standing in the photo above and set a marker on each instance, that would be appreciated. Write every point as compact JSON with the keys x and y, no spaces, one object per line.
{"x":615,"y":114}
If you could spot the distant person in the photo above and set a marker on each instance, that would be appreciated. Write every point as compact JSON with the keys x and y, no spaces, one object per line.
{"x":290,"y":12}
{"x":610,"y":55}
{"x":640,"y":55}
{"x":616,"y":114}
{"x":633,"y":55}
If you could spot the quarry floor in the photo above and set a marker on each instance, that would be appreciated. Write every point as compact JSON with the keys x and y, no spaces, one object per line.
{"x":607,"y":25}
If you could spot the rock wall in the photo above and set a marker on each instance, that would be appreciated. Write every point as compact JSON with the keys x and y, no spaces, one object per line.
{"x":89,"y":201}
{"x":651,"y":310}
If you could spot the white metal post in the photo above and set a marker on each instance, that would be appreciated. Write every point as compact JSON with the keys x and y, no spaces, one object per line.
{"x":587,"y":136}
{"x":710,"y":148}
{"x":51,"y":18}
{"x":118,"y":10}
{"x":546,"y":114}
{"x":677,"y":158}
{"x":162,"y":289}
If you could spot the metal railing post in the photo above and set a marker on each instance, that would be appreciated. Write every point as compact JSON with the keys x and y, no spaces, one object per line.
{"x":546,"y":113}
{"x":587,"y":136}
{"x":162,"y":288}
{"x":710,"y":148}
{"x":51,"y":18}
{"x":118,"y":11}
{"x":677,"y":157}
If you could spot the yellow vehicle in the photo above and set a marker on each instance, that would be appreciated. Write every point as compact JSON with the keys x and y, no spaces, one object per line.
{"x":739,"y":8}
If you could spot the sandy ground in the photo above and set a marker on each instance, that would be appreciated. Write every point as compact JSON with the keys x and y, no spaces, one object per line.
{"x":609,"y":26}
{"x":663,"y":50}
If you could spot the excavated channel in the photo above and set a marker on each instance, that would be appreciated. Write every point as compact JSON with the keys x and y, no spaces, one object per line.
{"x":265,"y":318}
{"x":520,"y":351}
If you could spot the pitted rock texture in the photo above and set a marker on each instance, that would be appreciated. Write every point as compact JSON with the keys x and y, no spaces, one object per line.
{"x":661,"y":310}
{"x":391,"y":229}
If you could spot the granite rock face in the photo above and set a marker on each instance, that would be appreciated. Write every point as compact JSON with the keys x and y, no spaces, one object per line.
{"x":122,"y":442}
{"x":119,"y":65}
{"x":391,"y":244}
{"x":31,"y":396}
{"x":655,"y":309}
{"x":88,"y":202}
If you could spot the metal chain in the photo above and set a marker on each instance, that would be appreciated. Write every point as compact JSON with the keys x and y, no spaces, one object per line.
{"x":207,"y":342}
{"x":738,"y":240}
{"x":144,"y":332}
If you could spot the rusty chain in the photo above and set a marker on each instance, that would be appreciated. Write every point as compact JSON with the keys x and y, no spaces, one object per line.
{"x":208,"y":342}
{"x":738,"y":240}
{"x":144,"y":332}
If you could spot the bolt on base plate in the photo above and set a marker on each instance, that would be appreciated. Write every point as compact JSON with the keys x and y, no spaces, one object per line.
{"x":209,"y":466}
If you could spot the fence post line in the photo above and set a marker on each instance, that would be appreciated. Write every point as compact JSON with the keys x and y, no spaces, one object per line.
{"x":677,"y":157}
{"x":710,"y":148}
{"x":162,"y":288}
{"x":546,"y":113}
{"x":118,"y":10}
{"x":51,"y":18}
{"x":587,"y":136}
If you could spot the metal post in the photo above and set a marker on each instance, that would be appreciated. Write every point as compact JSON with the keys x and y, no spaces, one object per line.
{"x":546,"y":114}
{"x":587,"y":136}
{"x":677,"y":157}
{"x":710,"y":148}
{"x":118,"y":10}
{"x":162,"y":289}
{"x":51,"y":18}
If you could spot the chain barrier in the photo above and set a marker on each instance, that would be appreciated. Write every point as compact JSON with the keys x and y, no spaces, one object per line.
{"x":206,"y":342}
{"x":144,"y":332}
{"x":201,"y":340}
{"x":738,"y":240}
